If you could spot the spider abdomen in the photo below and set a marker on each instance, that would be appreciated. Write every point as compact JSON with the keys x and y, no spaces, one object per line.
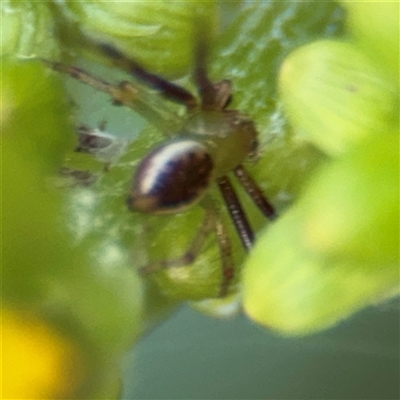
{"x":172,"y":177}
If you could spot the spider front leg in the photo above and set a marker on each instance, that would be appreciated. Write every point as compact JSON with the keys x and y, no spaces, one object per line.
{"x":124,"y":93}
{"x":165,"y":88}
{"x":236,"y":212}
{"x":212,"y":222}
{"x":214,"y":96}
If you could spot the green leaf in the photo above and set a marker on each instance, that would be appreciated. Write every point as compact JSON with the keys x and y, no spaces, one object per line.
{"x":336,"y":251}
{"x":27,"y":29}
{"x":158,"y":34}
{"x":334,"y":95}
{"x":45,"y":271}
{"x":376,"y":28}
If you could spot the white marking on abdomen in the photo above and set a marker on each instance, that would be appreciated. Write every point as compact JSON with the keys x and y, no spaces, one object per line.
{"x":162,"y":157}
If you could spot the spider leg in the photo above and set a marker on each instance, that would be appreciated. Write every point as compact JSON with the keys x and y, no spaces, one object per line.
{"x":236,"y":212}
{"x":223,"y":94}
{"x":125,"y":93}
{"x":215,"y":96}
{"x":255,"y":192}
{"x":204,"y":85}
{"x":225,"y":248}
{"x":167,"y":89}
{"x":211,"y":223}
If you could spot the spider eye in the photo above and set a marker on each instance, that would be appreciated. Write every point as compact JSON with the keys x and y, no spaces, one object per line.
{"x":171,"y":178}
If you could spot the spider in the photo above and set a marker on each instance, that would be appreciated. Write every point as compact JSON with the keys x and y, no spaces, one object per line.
{"x":211,"y":143}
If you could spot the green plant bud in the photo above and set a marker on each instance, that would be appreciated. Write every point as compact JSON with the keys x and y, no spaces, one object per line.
{"x":44,"y":141}
{"x":45,"y":271}
{"x":376,"y":27}
{"x":160,"y":34}
{"x":27,"y":29}
{"x":362,"y":193}
{"x":336,"y":251}
{"x":334,"y":95}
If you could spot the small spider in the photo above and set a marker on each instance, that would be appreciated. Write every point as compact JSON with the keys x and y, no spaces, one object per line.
{"x":211,"y":143}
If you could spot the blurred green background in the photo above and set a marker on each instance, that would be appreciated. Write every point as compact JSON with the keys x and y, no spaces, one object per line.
{"x":194,"y":357}
{"x":70,"y":253}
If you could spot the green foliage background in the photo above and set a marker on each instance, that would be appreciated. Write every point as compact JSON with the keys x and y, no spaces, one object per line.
{"x":70,"y":254}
